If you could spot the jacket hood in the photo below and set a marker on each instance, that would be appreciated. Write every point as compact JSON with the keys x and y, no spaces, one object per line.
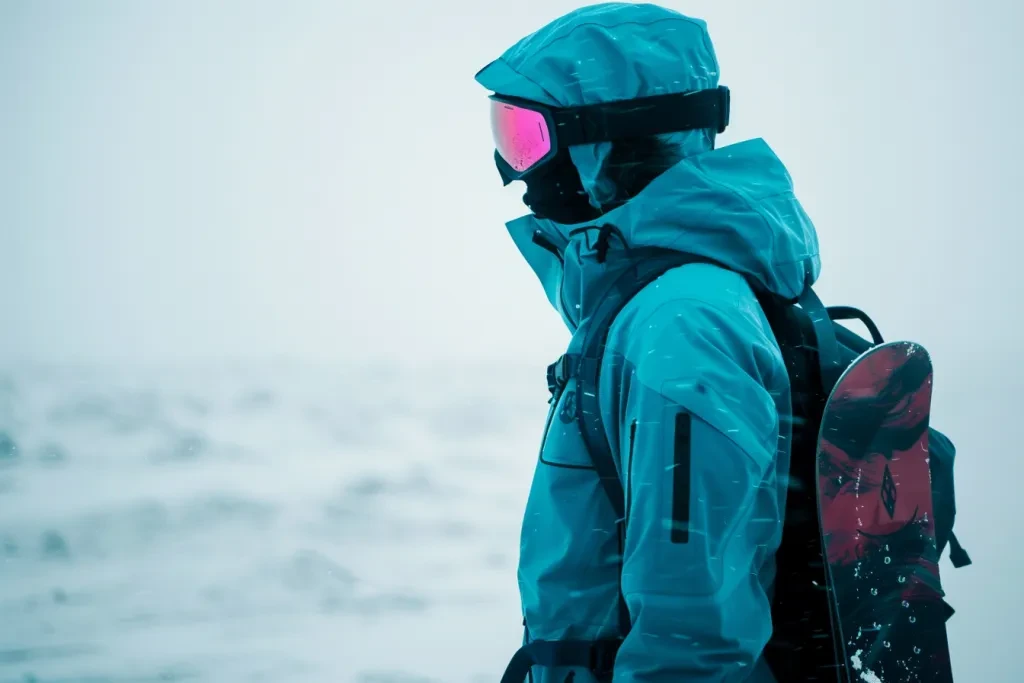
{"x":734,"y":205}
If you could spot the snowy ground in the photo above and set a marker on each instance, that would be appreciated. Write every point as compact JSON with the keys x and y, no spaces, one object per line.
{"x":286,"y":523}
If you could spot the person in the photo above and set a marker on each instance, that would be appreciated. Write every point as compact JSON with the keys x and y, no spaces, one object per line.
{"x":609,"y":115}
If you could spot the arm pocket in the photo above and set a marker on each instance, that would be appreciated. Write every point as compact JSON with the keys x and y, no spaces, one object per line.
{"x":681,"y":478}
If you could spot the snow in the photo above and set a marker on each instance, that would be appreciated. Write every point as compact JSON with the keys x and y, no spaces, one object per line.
{"x":261,"y":525}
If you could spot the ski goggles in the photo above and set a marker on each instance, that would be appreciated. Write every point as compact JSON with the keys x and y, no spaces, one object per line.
{"x":527,"y":134}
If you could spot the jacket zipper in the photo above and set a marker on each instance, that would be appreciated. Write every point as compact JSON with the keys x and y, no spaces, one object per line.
{"x":544,"y":243}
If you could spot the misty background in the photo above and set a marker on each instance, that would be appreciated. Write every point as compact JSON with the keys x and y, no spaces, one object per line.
{"x":272,"y":373}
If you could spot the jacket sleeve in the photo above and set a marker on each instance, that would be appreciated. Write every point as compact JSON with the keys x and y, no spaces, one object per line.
{"x":698,"y":440}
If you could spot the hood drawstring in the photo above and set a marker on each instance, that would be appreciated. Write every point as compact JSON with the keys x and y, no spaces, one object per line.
{"x":603,"y":241}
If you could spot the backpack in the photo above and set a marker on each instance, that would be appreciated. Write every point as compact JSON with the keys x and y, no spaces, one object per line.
{"x":816,"y":350}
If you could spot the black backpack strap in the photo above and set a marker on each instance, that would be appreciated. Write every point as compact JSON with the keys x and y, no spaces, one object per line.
{"x":643,"y":267}
{"x":560,"y":372}
{"x":640,"y":273}
{"x":825,"y":340}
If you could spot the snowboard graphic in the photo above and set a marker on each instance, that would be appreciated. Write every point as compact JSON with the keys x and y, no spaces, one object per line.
{"x":877,"y":522}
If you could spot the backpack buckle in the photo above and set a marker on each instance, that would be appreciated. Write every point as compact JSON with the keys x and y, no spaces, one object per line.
{"x":602,"y":658}
{"x":553,"y":386}
{"x":560,"y":372}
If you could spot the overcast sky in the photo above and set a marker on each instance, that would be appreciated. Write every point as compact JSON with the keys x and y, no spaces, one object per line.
{"x":314,"y":179}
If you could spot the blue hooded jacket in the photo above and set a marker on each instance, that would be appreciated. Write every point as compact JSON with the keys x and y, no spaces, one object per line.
{"x":691,"y":376}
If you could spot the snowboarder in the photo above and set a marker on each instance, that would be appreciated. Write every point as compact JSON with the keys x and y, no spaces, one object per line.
{"x":651,"y":547}
{"x":693,"y":383}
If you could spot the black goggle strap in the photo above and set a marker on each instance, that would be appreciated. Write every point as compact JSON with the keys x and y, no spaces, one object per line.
{"x":642,"y":117}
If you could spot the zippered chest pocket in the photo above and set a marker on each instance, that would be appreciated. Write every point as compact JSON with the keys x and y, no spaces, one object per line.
{"x":562,"y":445}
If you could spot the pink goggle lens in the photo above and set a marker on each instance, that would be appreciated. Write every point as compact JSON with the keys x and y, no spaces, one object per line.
{"x":521,"y":135}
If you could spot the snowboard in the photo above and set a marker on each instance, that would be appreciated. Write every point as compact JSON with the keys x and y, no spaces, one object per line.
{"x":877,"y":522}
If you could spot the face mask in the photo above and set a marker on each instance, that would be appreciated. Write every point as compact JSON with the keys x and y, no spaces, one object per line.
{"x":554,"y":191}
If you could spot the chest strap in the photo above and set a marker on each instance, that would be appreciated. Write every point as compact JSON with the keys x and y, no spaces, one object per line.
{"x":598,"y":656}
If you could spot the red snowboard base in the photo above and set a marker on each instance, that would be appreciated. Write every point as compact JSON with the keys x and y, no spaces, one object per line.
{"x":877,"y":521}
